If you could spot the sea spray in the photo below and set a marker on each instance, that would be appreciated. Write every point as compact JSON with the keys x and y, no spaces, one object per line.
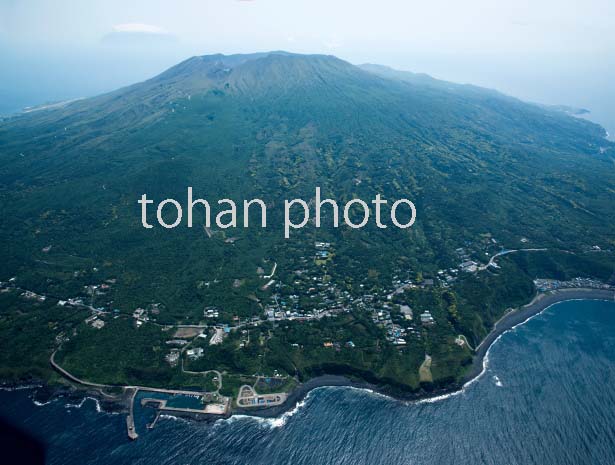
{"x":166,"y":416}
{"x":276,"y":422}
{"x":80,"y":404}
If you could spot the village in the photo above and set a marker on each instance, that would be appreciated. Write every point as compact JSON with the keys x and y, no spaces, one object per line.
{"x":310,"y":295}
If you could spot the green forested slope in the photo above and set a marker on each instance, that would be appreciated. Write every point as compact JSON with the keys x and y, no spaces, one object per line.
{"x":476,"y":163}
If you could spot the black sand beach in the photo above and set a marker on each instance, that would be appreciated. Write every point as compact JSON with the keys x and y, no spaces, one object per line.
{"x":521,"y":314}
{"x":507,"y":322}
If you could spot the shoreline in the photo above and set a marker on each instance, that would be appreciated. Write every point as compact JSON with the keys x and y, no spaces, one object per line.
{"x":45,"y":393}
{"x":520,"y":315}
{"x":507,"y":322}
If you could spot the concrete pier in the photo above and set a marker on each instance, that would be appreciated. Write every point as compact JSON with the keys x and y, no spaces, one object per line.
{"x":130,"y":424}
{"x":130,"y":419}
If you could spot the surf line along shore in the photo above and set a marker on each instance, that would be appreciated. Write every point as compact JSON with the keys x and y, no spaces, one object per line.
{"x":507,"y":322}
{"x":520,"y":315}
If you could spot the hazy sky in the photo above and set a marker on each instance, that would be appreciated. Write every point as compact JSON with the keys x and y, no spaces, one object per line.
{"x":553,"y":51}
{"x":341,"y":26}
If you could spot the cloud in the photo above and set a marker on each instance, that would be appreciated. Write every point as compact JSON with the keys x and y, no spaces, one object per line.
{"x":138,"y":28}
{"x":138,"y":35}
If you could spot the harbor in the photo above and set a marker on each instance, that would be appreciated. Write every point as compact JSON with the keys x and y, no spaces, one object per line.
{"x":193,"y":404}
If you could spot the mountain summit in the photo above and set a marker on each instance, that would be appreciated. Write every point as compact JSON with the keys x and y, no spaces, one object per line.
{"x":263,"y":71}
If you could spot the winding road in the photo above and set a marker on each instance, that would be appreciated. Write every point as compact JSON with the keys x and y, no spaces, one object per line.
{"x":506,"y":252}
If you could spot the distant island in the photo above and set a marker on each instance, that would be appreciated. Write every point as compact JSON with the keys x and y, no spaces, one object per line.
{"x":514,"y":200}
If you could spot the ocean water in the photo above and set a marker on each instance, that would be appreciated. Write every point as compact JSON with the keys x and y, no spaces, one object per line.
{"x":547,"y":397}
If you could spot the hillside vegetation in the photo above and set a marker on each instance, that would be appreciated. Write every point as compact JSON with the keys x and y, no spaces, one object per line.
{"x":485,"y":171}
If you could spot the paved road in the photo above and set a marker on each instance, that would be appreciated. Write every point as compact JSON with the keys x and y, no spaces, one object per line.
{"x":506,"y":252}
{"x":72,"y":377}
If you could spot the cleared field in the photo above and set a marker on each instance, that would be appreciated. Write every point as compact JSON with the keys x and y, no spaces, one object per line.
{"x":425,"y":371}
{"x":187,"y":332}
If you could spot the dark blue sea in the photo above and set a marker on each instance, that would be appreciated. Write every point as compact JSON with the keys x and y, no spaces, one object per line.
{"x":547,"y":397}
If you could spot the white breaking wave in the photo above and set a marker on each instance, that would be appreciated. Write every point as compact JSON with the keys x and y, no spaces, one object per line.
{"x":277,"y":422}
{"x":41,"y":404}
{"x":166,"y":416}
{"x":431,"y":400}
{"x":283,"y":419}
{"x":365,"y":390}
{"x":80,"y":404}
